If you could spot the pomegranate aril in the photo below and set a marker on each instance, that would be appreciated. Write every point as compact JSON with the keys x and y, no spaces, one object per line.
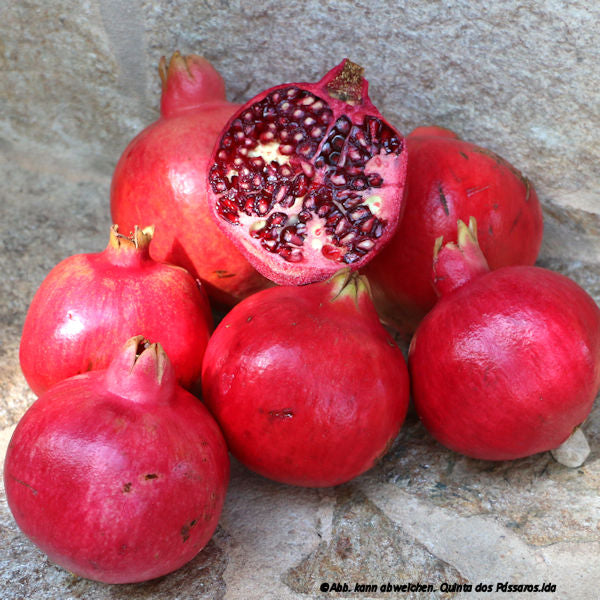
{"x":337,"y":142}
{"x":338,"y":179}
{"x":375,"y":180}
{"x":305,"y":216}
{"x":277,"y":218}
{"x":262,"y":206}
{"x":343,"y":125}
{"x":365,"y":244}
{"x":333,"y":159}
{"x":288,"y":201}
{"x":332,"y":252}
{"x":290,"y":235}
{"x":323,"y":210}
{"x":349,"y":237}
{"x":300,"y":185}
{"x":359,"y":213}
{"x":291,"y":254}
{"x":270,"y":245}
{"x":359,"y":183}
{"x":341,"y":226}
{"x":351,"y":257}
{"x":367,"y":225}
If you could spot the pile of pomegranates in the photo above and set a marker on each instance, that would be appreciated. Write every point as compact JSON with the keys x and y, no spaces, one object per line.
{"x":309,"y":220}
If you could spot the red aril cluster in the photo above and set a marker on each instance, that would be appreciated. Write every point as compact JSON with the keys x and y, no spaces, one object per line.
{"x":308,"y":178}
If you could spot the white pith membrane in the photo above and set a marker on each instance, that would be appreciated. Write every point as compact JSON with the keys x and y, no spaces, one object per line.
{"x":302,"y":186}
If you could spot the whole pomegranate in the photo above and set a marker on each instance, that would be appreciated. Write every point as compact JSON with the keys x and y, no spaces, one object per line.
{"x":507,"y":363}
{"x":307,"y":385}
{"x":307,"y":178}
{"x":161,"y":179}
{"x":450,"y":179}
{"x":118,"y":475}
{"x":90,"y":304}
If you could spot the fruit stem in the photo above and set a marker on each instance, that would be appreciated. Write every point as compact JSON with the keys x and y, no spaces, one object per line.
{"x":455,"y":264}
{"x":141,"y":372}
{"x":346,"y":83}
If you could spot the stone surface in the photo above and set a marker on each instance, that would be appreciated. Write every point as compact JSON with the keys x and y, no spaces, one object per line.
{"x":78,"y":80}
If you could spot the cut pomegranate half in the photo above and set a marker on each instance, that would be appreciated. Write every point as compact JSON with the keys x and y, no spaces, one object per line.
{"x":307,"y":178}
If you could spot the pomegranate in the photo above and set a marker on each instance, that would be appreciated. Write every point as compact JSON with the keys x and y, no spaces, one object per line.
{"x":118,"y":475}
{"x":89,"y":304}
{"x":450,"y":179}
{"x":308,"y":177}
{"x":507,"y":363}
{"x":307,"y":385}
{"x":161,"y":179}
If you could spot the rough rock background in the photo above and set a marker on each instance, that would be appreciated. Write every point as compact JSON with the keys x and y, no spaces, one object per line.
{"x":78,"y":79}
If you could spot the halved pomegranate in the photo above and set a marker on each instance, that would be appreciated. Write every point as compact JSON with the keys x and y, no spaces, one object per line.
{"x":307,"y":178}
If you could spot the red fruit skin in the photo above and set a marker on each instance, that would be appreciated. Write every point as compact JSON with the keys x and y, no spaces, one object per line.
{"x":308,"y":391}
{"x":507,"y":365}
{"x":160,"y":179}
{"x":117,"y":485}
{"x":450,"y":179}
{"x":90,"y":304}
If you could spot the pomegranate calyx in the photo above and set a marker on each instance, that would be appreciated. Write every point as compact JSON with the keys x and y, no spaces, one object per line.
{"x":347,"y":283}
{"x":457,"y":263}
{"x":347,"y":83}
{"x":188,"y":82}
{"x":141,"y":372}
{"x":139,"y":239}
{"x":573,"y":451}
{"x":127,"y":251}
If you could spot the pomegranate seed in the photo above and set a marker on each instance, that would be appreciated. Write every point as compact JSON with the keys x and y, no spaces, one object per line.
{"x":365,"y":244}
{"x":349,"y":237}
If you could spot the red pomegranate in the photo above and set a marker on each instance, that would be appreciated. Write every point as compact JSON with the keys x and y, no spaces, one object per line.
{"x":90,"y":304}
{"x":307,"y":178}
{"x":161,"y":179}
{"x":307,"y":385}
{"x":118,"y":475}
{"x":450,"y":179}
{"x":507,"y":363}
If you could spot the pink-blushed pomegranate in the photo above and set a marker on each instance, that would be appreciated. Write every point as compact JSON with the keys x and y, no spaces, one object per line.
{"x":450,"y":179}
{"x":307,"y":178}
{"x":161,"y":179}
{"x":90,"y":304}
{"x":507,"y":363}
{"x":118,"y":475}
{"x":307,"y":385}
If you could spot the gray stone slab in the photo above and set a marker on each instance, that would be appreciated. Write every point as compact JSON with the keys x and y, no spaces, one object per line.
{"x":78,"y":80}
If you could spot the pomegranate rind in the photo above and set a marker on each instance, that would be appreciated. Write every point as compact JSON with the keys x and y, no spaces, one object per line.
{"x":362,"y":200}
{"x":160,"y":178}
{"x":450,"y":179}
{"x":307,"y":386}
{"x":118,"y":476}
{"x":507,"y":365}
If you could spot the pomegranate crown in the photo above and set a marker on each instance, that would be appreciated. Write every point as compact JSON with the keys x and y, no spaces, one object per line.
{"x":188,"y":82}
{"x":455,"y":264}
{"x":141,"y":372}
